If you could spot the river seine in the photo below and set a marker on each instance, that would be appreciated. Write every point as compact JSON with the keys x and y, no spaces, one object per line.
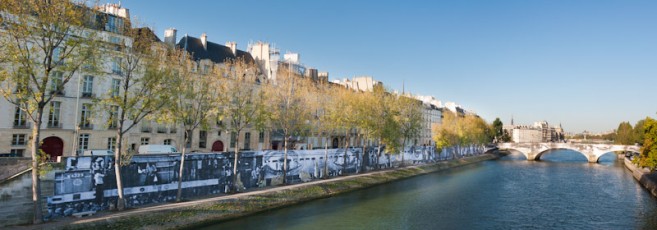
{"x":562,"y":191}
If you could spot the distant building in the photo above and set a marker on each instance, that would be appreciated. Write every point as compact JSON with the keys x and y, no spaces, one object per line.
{"x":539,"y":132}
{"x":361,"y":83}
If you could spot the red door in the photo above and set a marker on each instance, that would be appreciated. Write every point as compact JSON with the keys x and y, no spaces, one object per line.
{"x":53,"y":146}
{"x":218,"y":146}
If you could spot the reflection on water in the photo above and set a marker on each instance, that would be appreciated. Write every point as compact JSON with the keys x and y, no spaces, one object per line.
{"x":562,"y":191}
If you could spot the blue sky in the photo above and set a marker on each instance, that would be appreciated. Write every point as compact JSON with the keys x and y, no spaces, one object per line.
{"x":585,"y":64}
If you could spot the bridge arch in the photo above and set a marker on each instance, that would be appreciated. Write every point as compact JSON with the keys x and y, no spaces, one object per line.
{"x":540,"y":154}
{"x":524,"y":153}
{"x":602,"y":153}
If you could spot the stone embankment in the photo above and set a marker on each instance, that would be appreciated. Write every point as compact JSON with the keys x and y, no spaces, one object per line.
{"x":212,"y":210}
{"x":645,"y":178}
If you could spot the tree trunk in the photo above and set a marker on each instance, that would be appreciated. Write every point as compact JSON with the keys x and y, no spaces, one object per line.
{"x":363,"y":167}
{"x":344,"y":163}
{"x":36,"y":182}
{"x":403,"y":149}
{"x":326,"y":159}
{"x":285,"y":142}
{"x":237,"y":154}
{"x":120,"y":202}
{"x":378,"y":155}
{"x":182,"y":166}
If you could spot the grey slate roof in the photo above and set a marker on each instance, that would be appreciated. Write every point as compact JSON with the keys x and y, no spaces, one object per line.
{"x":215,"y":52}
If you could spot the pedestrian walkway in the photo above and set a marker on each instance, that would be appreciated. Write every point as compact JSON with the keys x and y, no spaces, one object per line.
{"x":109,"y":215}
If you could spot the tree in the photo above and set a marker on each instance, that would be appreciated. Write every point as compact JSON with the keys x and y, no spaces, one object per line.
{"x":243,"y":105}
{"x":289,"y":113}
{"x":624,"y":134}
{"x":195,"y":99}
{"x":649,"y":149}
{"x":445,"y":134}
{"x":409,"y":119}
{"x":43,"y":44}
{"x":638,"y":133}
{"x":377,"y":119}
{"x":498,"y":128}
{"x":466,"y":130}
{"x":141,"y":94}
{"x":343,"y":115}
{"x":320,"y":103}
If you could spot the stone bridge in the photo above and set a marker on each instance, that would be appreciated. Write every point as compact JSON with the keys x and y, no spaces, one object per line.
{"x":592,"y":152}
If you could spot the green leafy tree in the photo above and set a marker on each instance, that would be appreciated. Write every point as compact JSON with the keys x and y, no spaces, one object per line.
{"x":649,"y":150}
{"x":624,"y":134}
{"x":498,"y":128}
{"x":638,"y":134}
{"x":44,"y":44}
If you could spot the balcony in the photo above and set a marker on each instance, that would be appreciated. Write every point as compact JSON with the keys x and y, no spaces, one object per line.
{"x":57,"y":92}
{"x":146,"y":129}
{"x":161,"y":129}
{"x":87,"y":95}
{"x":173,"y":130}
{"x":54,"y":125}
{"x":86,"y":126}
{"x":22,"y":125}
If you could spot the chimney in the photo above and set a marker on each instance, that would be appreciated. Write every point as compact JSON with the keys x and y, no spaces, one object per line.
{"x":204,"y":40}
{"x":233,"y":47}
{"x":170,"y":36}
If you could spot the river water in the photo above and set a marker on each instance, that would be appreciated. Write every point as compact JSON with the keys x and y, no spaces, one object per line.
{"x":562,"y":191}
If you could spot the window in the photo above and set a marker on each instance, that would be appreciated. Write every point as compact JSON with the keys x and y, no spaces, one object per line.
{"x":233,"y":138}
{"x":53,"y":116}
{"x":20,"y":119}
{"x":87,"y":86}
{"x":111,"y":143}
{"x":85,"y":117}
{"x":116,"y":87}
{"x":83,"y":142}
{"x":116,"y":40}
{"x":145,"y":140}
{"x":161,"y":128}
{"x":56,"y":56}
{"x":146,"y":127}
{"x":247,"y":141}
{"x":113,"y":120}
{"x":114,"y":24}
{"x":261,"y":137}
{"x":16,"y":152}
{"x":202,"y":139}
{"x":116,"y":65}
{"x":56,"y":86}
{"x":18,"y":139}
{"x":168,"y":141}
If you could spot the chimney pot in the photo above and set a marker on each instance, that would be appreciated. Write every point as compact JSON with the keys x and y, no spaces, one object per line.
{"x":204,"y":40}
{"x":170,"y":36}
